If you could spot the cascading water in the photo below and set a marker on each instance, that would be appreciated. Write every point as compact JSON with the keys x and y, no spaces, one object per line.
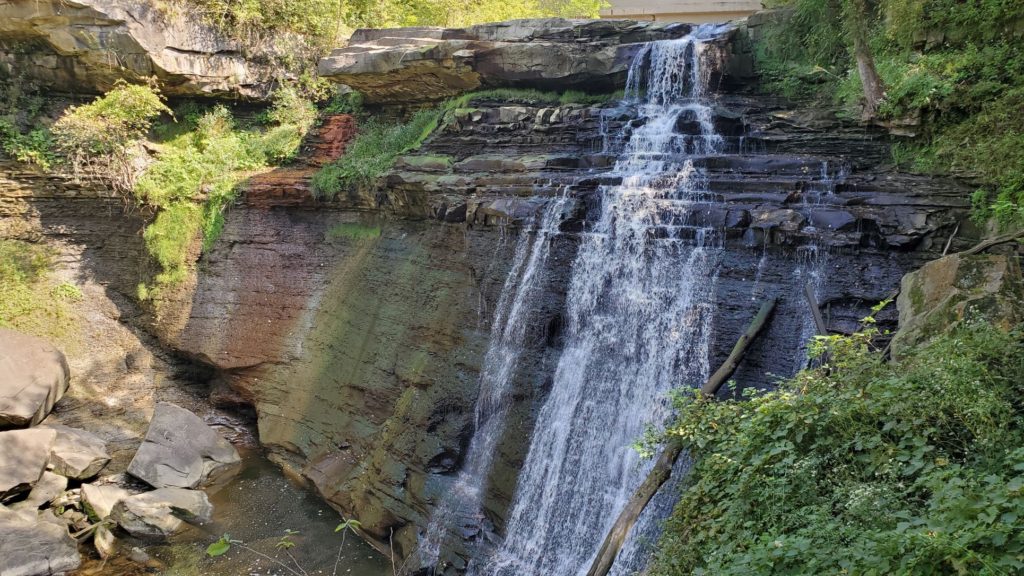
{"x":461,"y":506}
{"x":639,"y":313}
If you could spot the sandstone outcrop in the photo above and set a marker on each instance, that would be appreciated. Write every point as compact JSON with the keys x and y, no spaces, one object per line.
{"x":86,"y":45}
{"x":944,"y":292}
{"x":424,"y":64}
{"x":33,"y":377}
{"x":181,"y":451}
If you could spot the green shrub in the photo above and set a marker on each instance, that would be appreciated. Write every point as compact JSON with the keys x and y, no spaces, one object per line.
{"x":103,"y":134}
{"x":198,"y":169}
{"x":372,"y":153}
{"x":29,"y":301}
{"x":860,"y":467}
{"x":956,"y":65}
{"x":35,"y":147}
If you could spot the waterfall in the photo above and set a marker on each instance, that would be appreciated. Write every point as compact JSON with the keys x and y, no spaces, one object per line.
{"x":639,"y":312}
{"x":462,"y":504}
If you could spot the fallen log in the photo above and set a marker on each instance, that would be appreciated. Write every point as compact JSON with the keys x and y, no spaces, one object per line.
{"x":666,"y":461}
{"x":819,"y":323}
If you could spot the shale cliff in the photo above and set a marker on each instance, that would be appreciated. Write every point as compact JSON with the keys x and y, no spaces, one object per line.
{"x":356,"y":327}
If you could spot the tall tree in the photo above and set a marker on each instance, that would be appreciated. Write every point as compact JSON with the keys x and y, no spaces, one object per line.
{"x":857,"y":15}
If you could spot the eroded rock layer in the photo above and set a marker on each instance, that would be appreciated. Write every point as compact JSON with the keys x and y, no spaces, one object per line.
{"x":87,"y":45}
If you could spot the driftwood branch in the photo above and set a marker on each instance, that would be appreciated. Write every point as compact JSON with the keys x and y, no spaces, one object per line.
{"x":981,"y":247}
{"x":663,"y":467}
{"x":819,"y":323}
{"x":710,"y":388}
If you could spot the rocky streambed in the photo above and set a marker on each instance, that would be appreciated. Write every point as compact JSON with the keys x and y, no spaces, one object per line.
{"x":66,"y":507}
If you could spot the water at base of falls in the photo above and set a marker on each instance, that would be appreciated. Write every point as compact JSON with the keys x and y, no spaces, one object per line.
{"x":639,"y":313}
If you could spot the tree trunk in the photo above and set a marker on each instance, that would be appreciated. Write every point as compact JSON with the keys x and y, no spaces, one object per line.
{"x":663,"y":467}
{"x":857,"y":17}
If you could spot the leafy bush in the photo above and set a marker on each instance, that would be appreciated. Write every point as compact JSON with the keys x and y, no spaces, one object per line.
{"x":28,"y":300}
{"x":196,"y":174}
{"x":35,"y":147}
{"x":860,"y":466}
{"x":103,"y":134}
{"x":326,"y":21}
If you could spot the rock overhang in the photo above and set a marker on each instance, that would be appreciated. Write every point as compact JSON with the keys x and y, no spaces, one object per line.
{"x":411,"y":65}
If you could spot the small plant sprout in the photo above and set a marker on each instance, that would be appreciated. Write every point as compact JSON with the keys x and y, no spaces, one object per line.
{"x":348,"y":525}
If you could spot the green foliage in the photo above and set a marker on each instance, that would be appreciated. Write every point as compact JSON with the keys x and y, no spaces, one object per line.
{"x":861,"y":466}
{"x":21,"y":136}
{"x":29,"y":300}
{"x":35,"y":147}
{"x":956,"y":66}
{"x":103,"y":134}
{"x":345,"y":103}
{"x":373,"y":151}
{"x":196,"y":174}
{"x":350,"y":524}
{"x":220,"y":547}
{"x":354,"y":231}
{"x":327,"y":21}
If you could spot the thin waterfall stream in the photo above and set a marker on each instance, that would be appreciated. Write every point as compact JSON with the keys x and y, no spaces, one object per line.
{"x":461,"y":506}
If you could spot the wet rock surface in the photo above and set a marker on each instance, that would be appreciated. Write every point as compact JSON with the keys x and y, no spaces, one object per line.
{"x":33,"y":377}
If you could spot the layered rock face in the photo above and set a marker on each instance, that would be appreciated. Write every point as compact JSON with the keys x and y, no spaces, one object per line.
{"x":87,"y":45}
{"x":427,"y":64}
{"x":357,"y":327}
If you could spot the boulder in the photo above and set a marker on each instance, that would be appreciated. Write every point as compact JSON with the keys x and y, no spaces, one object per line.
{"x":944,"y":292}
{"x":161,"y":513}
{"x":35,"y":547}
{"x":48,"y":487}
{"x":73,"y":40}
{"x":23,"y":458}
{"x":33,"y":377}
{"x":76,"y":453}
{"x":181,"y":451}
{"x":99,"y":500}
{"x":423,"y":64}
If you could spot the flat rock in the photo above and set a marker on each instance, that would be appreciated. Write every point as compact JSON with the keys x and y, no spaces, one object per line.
{"x":100,"y":500}
{"x":76,"y":453}
{"x":48,"y":487}
{"x":34,"y":547}
{"x":161,"y":513}
{"x":33,"y":377}
{"x":23,"y":458}
{"x":181,"y":451}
